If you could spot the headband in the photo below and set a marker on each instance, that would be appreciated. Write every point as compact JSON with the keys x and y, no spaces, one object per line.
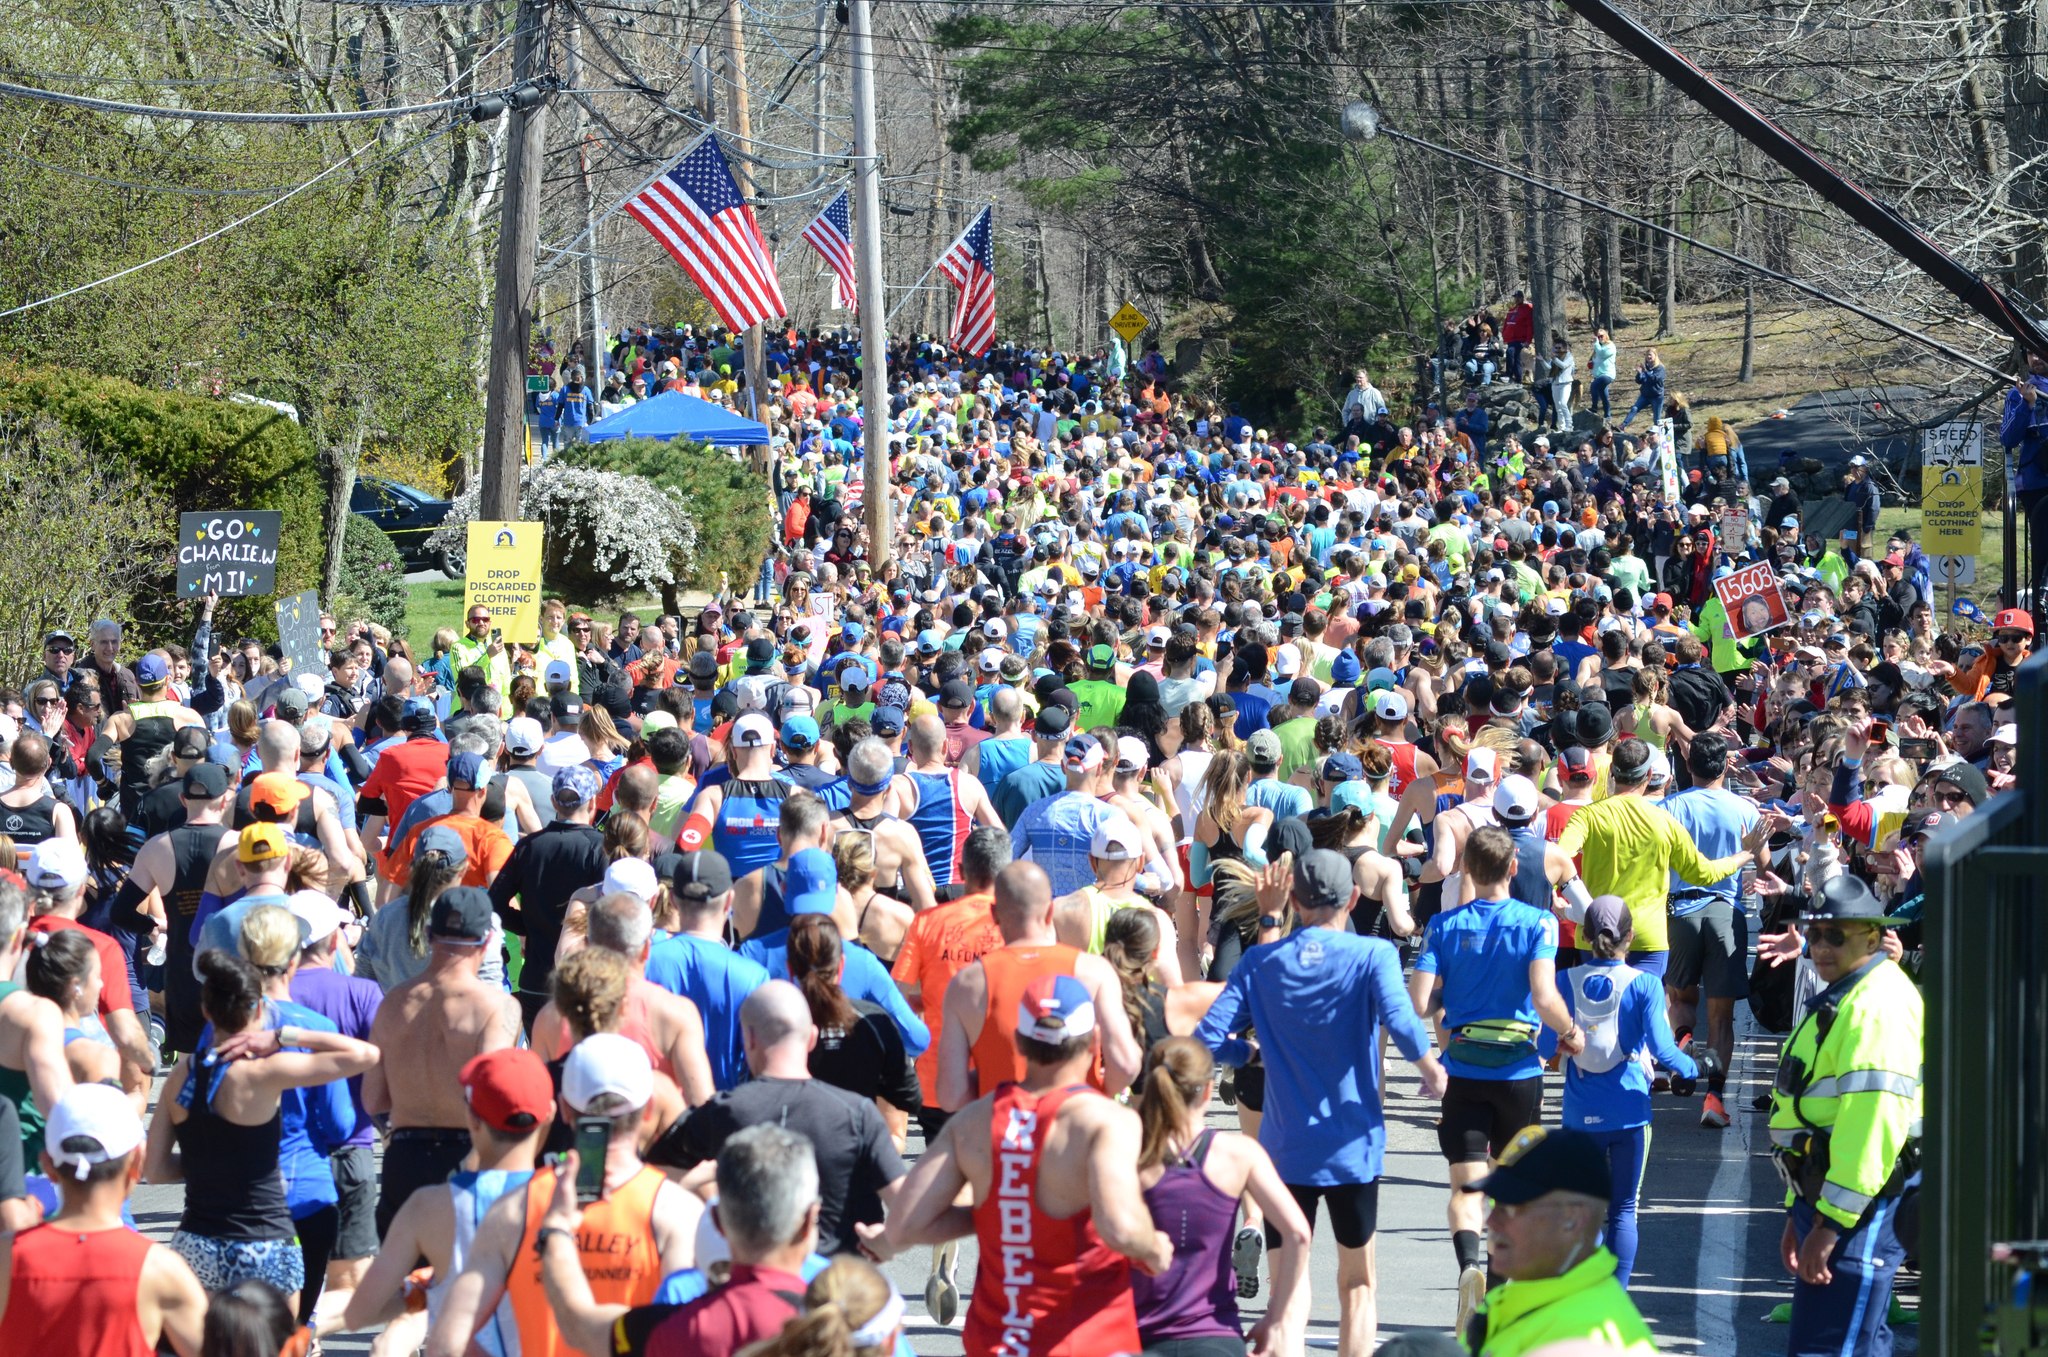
{"x":876,"y":1331}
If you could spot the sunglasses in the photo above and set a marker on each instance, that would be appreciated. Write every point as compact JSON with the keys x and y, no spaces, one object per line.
{"x":2016,"y":638}
{"x":1830,"y":937}
{"x":479,"y":619}
{"x":61,"y":650}
{"x":49,"y":702}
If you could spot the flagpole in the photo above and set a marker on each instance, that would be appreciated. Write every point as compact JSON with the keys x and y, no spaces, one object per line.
{"x":868,"y":286}
{"x":932,"y":267}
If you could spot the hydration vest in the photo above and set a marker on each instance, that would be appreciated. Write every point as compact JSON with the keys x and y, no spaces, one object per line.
{"x":1596,"y":1003}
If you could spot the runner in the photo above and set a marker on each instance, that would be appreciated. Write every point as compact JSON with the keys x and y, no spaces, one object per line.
{"x":1048,"y":1161}
{"x":1489,"y":969}
{"x":979,"y":1048}
{"x":441,"y":1019}
{"x":1318,"y":1000}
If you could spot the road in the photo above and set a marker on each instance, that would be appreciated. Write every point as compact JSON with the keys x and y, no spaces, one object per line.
{"x":1706,"y":1276}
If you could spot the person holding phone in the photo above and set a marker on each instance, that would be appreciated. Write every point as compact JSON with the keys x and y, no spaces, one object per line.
{"x":635,"y":1225}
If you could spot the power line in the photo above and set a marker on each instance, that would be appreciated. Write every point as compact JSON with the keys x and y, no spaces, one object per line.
{"x":225,"y":116}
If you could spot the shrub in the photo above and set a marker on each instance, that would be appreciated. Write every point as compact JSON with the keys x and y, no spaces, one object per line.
{"x":187,"y":453}
{"x":78,"y":541}
{"x":373,"y":575}
{"x":730,"y":501}
{"x":607,"y":535}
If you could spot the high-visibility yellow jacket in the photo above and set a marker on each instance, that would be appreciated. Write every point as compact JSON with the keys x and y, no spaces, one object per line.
{"x":1863,"y":1087}
{"x":1586,"y":1304}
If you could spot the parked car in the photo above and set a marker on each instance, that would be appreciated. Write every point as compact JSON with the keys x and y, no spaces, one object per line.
{"x":408,"y":517}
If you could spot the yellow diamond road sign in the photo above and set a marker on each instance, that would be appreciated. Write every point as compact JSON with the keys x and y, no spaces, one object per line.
{"x":1129,"y":322}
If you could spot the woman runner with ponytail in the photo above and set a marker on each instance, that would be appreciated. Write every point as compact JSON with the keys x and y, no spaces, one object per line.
{"x":1193,"y":1177}
{"x":850,"y":1310}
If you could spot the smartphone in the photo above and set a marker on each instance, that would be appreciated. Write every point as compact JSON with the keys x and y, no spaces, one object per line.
{"x":1917,"y":750}
{"x":1880,"y":732}
{"x":497,"y":634}
{"x":593,"y":1138}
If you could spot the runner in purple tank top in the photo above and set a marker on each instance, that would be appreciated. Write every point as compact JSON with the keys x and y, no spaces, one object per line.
{"x":1193,"y":1178}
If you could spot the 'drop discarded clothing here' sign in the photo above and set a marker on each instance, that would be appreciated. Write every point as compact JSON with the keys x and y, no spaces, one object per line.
{"x":502,"y":573}
{"x":1754,"y":600}
{"x":1952,"y":489}
{"x":231,"y":552}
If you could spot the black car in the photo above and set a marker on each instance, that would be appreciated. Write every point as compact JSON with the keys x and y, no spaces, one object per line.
{"x":408,"y":517}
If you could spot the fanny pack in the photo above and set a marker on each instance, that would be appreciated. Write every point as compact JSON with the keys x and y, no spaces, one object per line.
{"x":1493,"y":1043}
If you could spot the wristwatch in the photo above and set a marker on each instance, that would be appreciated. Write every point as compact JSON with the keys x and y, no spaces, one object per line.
{"x":544,"y":1234}
{"x":1271,"y":921}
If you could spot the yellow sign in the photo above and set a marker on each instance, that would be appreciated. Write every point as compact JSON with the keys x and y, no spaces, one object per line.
{"x":1952,"y":490}
{"x":502,"y":573}
{"x":1129,"y":322}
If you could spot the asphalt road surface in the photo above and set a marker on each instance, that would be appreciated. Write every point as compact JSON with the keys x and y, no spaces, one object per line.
{"x":1706,"y":1276}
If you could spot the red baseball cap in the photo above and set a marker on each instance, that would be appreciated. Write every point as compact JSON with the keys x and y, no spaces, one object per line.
{"x":508,"y":1089}
{"x":2013,"y":619}
{"x":1575,"y":763}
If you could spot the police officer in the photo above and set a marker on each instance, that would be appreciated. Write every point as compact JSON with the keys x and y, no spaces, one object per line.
{"x":1845,"y":1114}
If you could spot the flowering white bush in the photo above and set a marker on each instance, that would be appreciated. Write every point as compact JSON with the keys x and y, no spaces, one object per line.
{"x":607,"y":534}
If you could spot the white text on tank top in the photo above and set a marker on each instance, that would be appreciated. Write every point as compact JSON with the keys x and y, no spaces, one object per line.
{"x":1014,"y":1212}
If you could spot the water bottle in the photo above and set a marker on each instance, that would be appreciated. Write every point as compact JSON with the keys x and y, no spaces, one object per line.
{"x":158,"y":949}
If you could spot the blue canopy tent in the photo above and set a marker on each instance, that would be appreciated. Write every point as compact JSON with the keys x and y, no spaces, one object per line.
{"x":675,"y":415}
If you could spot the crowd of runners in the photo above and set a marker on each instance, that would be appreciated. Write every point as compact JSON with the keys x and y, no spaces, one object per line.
{"x":635,"y":986}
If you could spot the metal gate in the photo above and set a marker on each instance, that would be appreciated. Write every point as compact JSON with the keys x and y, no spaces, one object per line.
{"x":1986,"y":1105}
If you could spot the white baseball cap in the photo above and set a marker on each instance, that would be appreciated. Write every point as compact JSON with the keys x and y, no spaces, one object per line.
{"x":1132,"y":754}
{"x":1116,"y":839}
{"x":524,"y":735}
{"x":91,"y":1124}
{"x":56,"y":864}
{"x":318,"y":915}
{"x":991,"y":661}
{"x":557,"y":674}
{"x":1482,"y":765}
{"x":634,"y":876}
{"x":1515,"y":798}
{"x":753,"y":731}
{"x":609,"y":1069}
{"x":1287,"y":662}
{"x":993,"y":629}
{"x":1158,"y":637}
{"x":1390,"y":704}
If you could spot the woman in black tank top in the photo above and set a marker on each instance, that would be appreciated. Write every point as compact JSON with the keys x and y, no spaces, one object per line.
{"x":218,"y":1126}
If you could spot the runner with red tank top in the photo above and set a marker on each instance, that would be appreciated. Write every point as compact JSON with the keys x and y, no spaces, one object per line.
{"x":82,"y":1283}
{"x":977,"y":1046}
{"x":1575,"y":774}
{"x":1058,"y":1214}
{"x":1390,"y":708}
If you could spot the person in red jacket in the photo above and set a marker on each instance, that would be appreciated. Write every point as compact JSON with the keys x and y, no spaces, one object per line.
{"x":794,"y":519}
{"x":1518,"y":328}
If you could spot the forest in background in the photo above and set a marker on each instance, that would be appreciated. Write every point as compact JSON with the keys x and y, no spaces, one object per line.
{"x":1182,"y":157}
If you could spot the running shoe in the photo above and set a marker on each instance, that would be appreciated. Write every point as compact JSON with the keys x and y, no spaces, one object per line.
{"x":1471,"y":1291}
{"x":941,"y":1291}
{"x":1245,"y":1253}
{"x":1712,"y":1113}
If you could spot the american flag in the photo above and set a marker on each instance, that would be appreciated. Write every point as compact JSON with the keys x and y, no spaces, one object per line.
{"x":971,"y":266}
{"x":831,"y":235}
{"x":695,"y":210}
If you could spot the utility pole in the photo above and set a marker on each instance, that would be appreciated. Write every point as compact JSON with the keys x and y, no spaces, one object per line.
{"x":512,"y":301}
{"x":593,"y":285}
{"x":874,"y":338}
{"x":743,"y":133}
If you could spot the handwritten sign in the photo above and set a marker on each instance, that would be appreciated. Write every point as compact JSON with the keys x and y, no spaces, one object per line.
{"x":1753,"y":599}
{"x":298,"y":632}
{"x":230,"y":552}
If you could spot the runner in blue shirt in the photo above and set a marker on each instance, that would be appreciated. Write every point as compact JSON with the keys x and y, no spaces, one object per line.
{"x":1709,"y":931}
{"x":695,"y":962}
{"x":1490,"y":968}
{"x":1317,"y":1001}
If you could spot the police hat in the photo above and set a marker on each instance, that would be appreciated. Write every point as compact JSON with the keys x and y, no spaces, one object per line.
{"x":1847,"y":900}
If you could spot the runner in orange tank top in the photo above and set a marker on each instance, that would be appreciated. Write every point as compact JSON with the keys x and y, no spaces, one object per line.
{"x":977,"y":1038}
{"x":643,"y":1227}
{"x":1057,"y":1211}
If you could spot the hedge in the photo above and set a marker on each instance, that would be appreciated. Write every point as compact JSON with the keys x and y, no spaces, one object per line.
{"x":728,"y":500}
{"x":196,"y":453}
